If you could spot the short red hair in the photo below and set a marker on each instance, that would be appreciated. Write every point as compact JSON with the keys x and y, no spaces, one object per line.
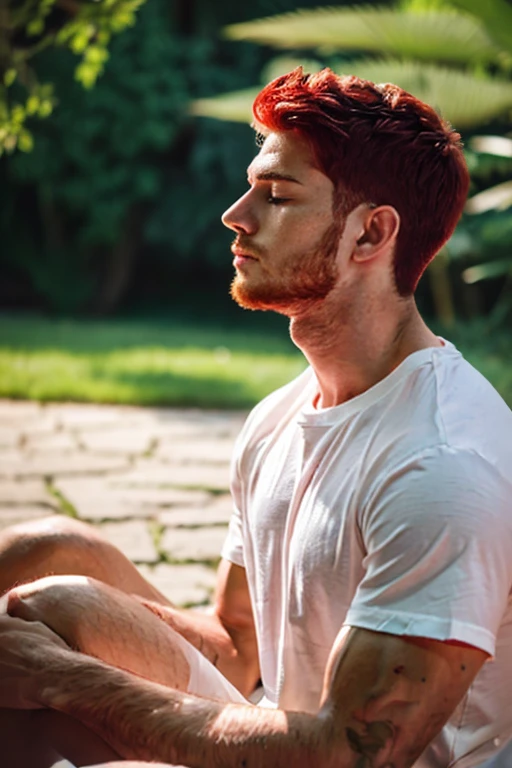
{"x":377,"y":144}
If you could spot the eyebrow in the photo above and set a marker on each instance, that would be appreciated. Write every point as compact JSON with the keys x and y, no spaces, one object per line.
{"x":274,"y":176}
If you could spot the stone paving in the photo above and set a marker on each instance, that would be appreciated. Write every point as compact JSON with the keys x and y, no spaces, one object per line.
{"x":155,"y":481}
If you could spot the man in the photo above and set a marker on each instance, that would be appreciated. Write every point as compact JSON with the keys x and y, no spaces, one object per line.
{"x":367,"y":573}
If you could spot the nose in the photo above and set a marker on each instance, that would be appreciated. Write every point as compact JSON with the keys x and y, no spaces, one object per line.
{"x":240,"y":217}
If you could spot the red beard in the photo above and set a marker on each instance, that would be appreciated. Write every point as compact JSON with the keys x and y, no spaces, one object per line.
{"x":305,"y":279}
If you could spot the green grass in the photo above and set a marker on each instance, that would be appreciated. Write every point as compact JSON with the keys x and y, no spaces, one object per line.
{"x":177,"y":362}
{"x":147,"y":363}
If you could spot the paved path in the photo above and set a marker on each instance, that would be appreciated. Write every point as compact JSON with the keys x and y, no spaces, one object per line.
{"x":154,"y":480}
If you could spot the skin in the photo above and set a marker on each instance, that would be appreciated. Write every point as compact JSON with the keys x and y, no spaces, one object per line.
{"x":385,"y":697}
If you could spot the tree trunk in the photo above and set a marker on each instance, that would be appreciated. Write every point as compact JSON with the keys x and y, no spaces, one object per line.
{"x":119,"y":267}
{"x":441,"y":288}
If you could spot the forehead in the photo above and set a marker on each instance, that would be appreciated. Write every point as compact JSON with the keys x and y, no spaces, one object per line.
{"x":287,"y":155}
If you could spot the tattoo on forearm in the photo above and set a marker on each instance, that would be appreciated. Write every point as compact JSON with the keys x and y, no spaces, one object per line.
{"x":374,"y":743}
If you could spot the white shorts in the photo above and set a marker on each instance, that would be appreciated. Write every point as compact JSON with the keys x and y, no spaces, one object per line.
{"x":206,"y":680}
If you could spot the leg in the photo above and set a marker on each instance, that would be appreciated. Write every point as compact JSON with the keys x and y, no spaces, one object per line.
{"x":60,"y":545}
{"x":101,"y":621}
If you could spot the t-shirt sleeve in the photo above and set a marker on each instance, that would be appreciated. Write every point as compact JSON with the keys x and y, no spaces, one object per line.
{"x":233,"y":549}
{"x":437,"y":534}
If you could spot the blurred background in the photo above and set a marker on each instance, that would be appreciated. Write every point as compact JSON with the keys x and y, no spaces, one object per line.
{"x":124,"y":134}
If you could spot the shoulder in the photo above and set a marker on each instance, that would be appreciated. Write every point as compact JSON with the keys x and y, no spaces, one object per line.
{"x":280,"y":406}
{"x":457,"y":487}
{"x":439,"y":409}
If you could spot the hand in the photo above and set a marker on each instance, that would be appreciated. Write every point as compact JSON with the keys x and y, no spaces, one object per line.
{"x":58,"y":602}
{"x":27,"y":650}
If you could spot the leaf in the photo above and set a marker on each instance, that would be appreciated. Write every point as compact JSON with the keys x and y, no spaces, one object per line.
{"x":235,"y":106}
{"x":462,"y":98}
{"x":35,"y":27}
{"x":495,"y":15}
{"x":439,"y":35}
{"x":10,"y":76}
{"x":485,"y":271}
{"x":500,"y":146}
{"x":32,"y":105}
{"x":497,"y":198}
{"x":25,"y":141}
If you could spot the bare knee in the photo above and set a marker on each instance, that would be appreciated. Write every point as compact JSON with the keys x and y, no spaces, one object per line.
{"x":54,"y":545}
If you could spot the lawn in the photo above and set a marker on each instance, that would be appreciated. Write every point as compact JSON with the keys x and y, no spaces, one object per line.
{"x":148,"y":363}
{"x":175,"y":362}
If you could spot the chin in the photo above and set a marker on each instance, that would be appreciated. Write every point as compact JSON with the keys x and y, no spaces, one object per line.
{"x":265,"y":301}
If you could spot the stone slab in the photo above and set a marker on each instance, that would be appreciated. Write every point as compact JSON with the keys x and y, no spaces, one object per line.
{"x":21,"y":514}
{"x":204,"y":450}
{"x":183,"y":585}
{"x":97,"y":498}
{"x":18,"y":411}
{"x":31,"y":492}
{"x":132,"y":538}
{"x":43,"y":424}
{"x":201,"y":515}
{"x":193,"y":476}
{"x":37,"y":442}
{"x":10,"y":437}
{"x":194,"y":543}
{"x":21,"y":464}
{"x":71,"y":415}
{"x":130,"y":441}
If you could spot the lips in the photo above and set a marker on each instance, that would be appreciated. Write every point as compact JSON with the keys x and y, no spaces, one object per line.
{"x":242,"y":256}
{"x":241,"y":260}
{"x":240,"y":253}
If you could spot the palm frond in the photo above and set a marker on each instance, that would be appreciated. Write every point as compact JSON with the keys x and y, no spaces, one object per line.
{"x":497,"y":198}
{"x":235,"y":106}
{"x":462,"y":98}
{"x":496,"y":17}
{"x":487,"y":270}
{"x":438,"y":35}
{"x":501,"y":146}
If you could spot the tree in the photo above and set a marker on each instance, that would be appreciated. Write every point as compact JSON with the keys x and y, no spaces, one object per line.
{"x":29,"y":27}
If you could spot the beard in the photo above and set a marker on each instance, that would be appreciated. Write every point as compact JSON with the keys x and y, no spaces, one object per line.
{"x":303,"y":281}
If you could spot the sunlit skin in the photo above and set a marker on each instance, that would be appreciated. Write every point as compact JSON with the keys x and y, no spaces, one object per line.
{"x":360,"y":328}
{"x":286,"y":237}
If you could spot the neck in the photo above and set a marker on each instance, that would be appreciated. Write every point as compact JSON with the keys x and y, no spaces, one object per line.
{"x":351,"y":348}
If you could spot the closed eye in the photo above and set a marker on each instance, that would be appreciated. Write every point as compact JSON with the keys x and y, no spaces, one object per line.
{"x":273,"y":200}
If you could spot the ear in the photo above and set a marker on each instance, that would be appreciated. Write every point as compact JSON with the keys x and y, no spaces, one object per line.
{"x":379,"y":231}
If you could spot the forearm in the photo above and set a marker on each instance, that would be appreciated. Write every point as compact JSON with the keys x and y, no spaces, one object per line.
{"x":142,"y":720}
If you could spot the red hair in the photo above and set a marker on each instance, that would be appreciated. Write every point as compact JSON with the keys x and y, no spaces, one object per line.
{"x":377,"y":144}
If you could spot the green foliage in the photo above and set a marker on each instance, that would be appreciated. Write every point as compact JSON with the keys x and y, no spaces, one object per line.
{"x":122,"y":170}
{"x":496,"y":16}
{"x":148,"y":363}
{"x":94,"y":162}
{"x":417,"y":46}
{"x":83,"y":27}
{"x":431,"y":35}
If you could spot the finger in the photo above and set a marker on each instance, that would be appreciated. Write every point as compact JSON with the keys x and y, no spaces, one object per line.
{"x":14,"y":627}
{"x":19,"y":608}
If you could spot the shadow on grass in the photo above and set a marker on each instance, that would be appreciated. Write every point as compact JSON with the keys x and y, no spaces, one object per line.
{"x":160,"y":389}
{"x":30,"y":332}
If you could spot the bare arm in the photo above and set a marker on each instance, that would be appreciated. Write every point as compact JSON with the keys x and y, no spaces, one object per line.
{"x":385,"y":699}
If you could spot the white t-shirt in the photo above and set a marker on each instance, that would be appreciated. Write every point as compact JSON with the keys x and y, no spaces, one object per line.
{"x":391,"y":512}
